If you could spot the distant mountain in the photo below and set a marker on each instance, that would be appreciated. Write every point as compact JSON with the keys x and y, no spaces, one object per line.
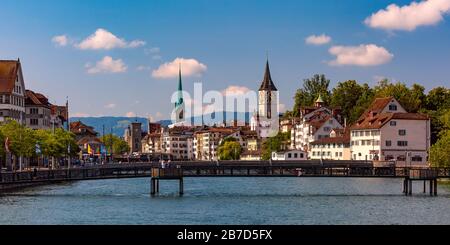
{"x":119,"y":124}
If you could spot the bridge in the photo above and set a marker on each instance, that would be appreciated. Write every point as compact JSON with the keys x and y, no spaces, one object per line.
{"x":180,"y":170}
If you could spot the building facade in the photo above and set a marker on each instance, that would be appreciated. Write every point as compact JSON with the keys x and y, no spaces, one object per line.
{"x":12,"y":91}
{"x":133,"y":136}
{"x":387,"y":132}
{"x":38,"y":113}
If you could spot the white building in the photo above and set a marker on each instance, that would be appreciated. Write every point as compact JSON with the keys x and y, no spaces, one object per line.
{"x":291,"y":155}
{"x":12,"y":91}
{"x":315,"y":123}
{"x":387,"y":132}
{"x":335,"y":147}
{"x":266,"y":121}
{"x":177,"y":142}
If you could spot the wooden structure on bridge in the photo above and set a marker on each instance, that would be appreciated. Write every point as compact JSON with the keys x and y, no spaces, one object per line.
{"x":180,"y":170}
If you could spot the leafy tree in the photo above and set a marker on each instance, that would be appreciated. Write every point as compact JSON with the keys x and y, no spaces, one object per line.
{"x":346,"y":96}
{"x":312,"y":88}
{"x":276,"y":143}
{"x":229,"y":149}
{"x":438,"y":99}
{"x":22,"y":139}
{"x":440,"y":152}
{"x":411,"y":99}
{"x":119,"y":146}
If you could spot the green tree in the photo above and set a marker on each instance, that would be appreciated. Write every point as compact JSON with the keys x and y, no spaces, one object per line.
{"x":119,"y":146}
{"x":411,"y":99}
{"x":440,"y":151}
{"x":22,"y":139}
{"x":276,"y":143}
{"x":312,"y":88}
{"x":438,"y":99}
{"x":346,"y":95}
{"x":229,"y":149}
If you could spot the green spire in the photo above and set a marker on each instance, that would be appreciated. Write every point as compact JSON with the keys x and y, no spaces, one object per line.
{"x":320,"y":99}
{"x":180,"y":100}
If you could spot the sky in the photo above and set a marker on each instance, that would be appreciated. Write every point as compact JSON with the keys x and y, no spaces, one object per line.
{"x":120,"y":58}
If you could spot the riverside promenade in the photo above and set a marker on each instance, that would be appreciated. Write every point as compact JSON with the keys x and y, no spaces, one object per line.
{"x":180,"y":170}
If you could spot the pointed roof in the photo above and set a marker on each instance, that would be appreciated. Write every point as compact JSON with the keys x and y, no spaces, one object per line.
{"x":267,"y":83}
{"x":320,"y":99}
{"x":180,"y":100}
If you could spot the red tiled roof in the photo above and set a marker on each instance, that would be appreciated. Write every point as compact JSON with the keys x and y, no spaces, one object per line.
{"x":379,"y":120}
{"x":377,"y":106}
{"x":89,"y":140}
{"x":32,"y":98}
{"x":343,"y":139}
{"x":8,"y":75}
{"x":75,"y":127}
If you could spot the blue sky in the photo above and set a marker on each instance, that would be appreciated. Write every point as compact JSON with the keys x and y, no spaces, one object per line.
{"x":224,"y":42}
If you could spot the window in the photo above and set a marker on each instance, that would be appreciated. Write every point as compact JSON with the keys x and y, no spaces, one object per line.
{"x":367,"y":133}
{"x":393,"y":123}
{"x":295,"y":155}
{"x":401,"y":158}
{"x":388,"y":143}
{"x":326,"y":129}
{"x":336,"y":154}
{"x":416,"y":158}
{"x":402,"y":132}
{"x":340,"y":154}
{"x":363,"y":142}
{"x":314,"y":153}
{"x":301,"y":155}
{"x":34,"y":121}
{"x":392,"y":107}
{"x":290,"y":155}
{"x":402,"y":143}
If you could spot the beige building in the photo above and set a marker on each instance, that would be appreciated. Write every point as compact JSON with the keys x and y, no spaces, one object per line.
{"x":38,"y":111}
{"x":207,"y":141}
{"x":315,"y":123}
{"x":335,"y":147}
{"x":387,"y":132}
{"x":12,"y":91}
{"x":177,"y":142}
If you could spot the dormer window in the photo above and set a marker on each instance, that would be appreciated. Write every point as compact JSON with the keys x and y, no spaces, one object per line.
{"x":393,"y":107}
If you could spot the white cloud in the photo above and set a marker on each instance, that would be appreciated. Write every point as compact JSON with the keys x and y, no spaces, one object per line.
{"x":79,"y":114}
{"x":362,"y":55}
{"x":130,"y":114}
{"x":107,"y":65}
{"x":318,"y":40}
{"x":409,"y":17}
{"x":235,"y":91}
{"x":190,"y":67}
{"x":60,"y":41}
{"x":110,"y":106}
{"x":103,"y":39}
{"x":143,"y":68}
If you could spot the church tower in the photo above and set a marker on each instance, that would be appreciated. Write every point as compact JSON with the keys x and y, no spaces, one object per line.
{"x":267,"y":99}
{"x":179,"y":104}
{"x":266,"y":121}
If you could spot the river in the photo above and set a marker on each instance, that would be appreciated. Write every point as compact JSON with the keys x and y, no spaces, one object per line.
{"x":227,"y":201}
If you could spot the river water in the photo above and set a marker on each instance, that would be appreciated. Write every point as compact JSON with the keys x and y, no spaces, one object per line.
{"x":227,"y":201}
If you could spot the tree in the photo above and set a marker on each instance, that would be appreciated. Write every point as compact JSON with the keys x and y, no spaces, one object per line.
{"x":22,"y":139}
{"x":274,"y":144}
{"x":346,"y":96}
{"x":411,"y":99}
{"x":312,"y":88}
{"x":438,"y":99}
{"x":119,"y":146}
{"x":440,"y":152}
{"x":229,"y":149}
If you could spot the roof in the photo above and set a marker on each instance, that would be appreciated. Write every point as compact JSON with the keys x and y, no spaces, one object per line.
{"x":379,"y":120}
{"x":344,"y":138}
{"x":36,"y":99}
{"x":320,"y":99}
{"x":377,"y":106}
{"x":8,"y":75}
{"x":60,"y":111}
{"x":267,"y":83}
{"x":75,"y":127}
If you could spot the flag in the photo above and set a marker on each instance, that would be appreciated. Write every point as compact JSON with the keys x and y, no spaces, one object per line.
{"x":90,"y":151}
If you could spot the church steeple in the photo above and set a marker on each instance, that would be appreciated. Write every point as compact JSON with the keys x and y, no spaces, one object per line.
{"x":179,"y":104}
{"x":267,"y":83}
{"x":180,"y":99}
